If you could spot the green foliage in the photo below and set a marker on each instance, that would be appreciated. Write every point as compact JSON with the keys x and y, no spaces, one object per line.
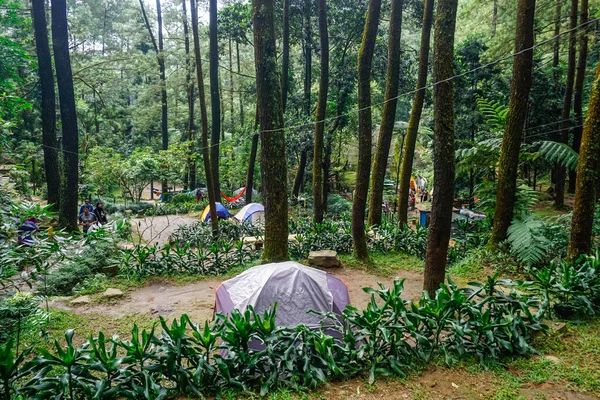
{"x":560,"y":153}
{"x":527,"y":242}
{"x":569,"y":290}
{"x":248,"y":351}
{"x":62,"y":281}
{"x":494,"y":113}
{"x":486,"y":192}
{"x":337,"y":205}
{"x":20,"y":178}
{"x":20,"y":313}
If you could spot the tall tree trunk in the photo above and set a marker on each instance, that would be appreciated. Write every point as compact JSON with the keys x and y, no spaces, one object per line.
{"x":579,"y":81}
{"x":241,"y":95}
{"x":215,"y":103}
{"x":559,"y":199}
{"x":251,"y":164}
{"x":415,"y":115}
{"x":320,"y":113}
{"x":513,"y":130}
{"x":46,"y":75}
{"x":191,"y":128}
{"x":160,"y":57}
{"x":285,"y":66}
{"x":307,"y":56}
{"x":273,"y":165}
{"x":587,"y":177}
{"x":221,"y":99}
{"x":556,"y":47}
{"x":204,"y":117}
{"x":68,"y":116}
{"x":326,"y":169}
{"x":388,"y":117}
{"x":164,"y":125}
{"x":443,"y":146}
{"x":300,"y":174}
{"x":365,"y":133}
{"x":231,"y":121}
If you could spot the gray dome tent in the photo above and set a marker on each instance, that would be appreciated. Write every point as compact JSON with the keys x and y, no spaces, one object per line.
{"x":295,"y":288}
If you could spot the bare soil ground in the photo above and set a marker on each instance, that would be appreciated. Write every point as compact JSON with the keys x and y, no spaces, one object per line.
{"x":163,"y":298}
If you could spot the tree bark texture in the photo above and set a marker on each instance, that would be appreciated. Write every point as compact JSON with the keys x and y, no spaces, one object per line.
{"x":307,"y":56}
{"x":587,"y":177}
{"x":579,"y":81}
{"x":64,"y":78}
{"x":231,"y":119}
{"x":365,"y":133}
{"x":415,"y":115}
{"x":215,"y":103}
{"x":285,"y":65}
{"x":163,"y":80}
{"x":51,"y":165}
{"x":191,"y":126}
{"x":388,"y":117}
{"x":250,"y":173}
{"x":559,"y":199}
{"x":320,"y":113}
{"x":513,"y":130}
{"x":204,"y":117}
{"x":300,"y":174}
{"x":273,"y":165}
{"x":241,"y":95}
{"x":443,"y":146}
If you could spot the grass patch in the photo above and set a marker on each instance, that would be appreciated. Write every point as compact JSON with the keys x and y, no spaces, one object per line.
{"x":384,"y":264}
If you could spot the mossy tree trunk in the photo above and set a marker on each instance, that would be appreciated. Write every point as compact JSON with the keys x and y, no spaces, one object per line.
{"x":587,"y":177}
{"x":285,"y":64}
{"x":273,"y":165}
{"x":579,"y":81}
{"x":64,"y":78}
{"x":251,"y":166}
{"x":300,"y":173}
{"x":561,"y":172}
{"x":204,"y":119}
{"x":320,"y":113}
{"x":365,"y":134}
{"x":415,"y":114}
{"x":49,"y":143}
{"x":513,"y":130}
{"x":307,"y":56}
{"x":215,"y":102}
{"x":443,"y":146}
{"x":241,"y":95}
{"x":388,"y":117}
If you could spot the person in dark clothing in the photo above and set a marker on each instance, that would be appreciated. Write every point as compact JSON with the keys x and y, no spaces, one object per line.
{"x":101,"y":214}
{"x":86,"y":205}
{"x":26,"y":231}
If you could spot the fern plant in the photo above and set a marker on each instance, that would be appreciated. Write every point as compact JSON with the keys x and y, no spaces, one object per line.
{"x":560,"y":153}
{"x":493,"y":112}
{"x":527,"y":240}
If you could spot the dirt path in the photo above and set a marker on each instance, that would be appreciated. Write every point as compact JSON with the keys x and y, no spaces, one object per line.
{"x":155,"y":230}
{"x":197,"y":299}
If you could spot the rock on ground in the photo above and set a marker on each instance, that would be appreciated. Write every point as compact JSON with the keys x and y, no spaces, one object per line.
{"x":81,"y":300}
{"x":112,"y":293}
{"x":324,"y":258}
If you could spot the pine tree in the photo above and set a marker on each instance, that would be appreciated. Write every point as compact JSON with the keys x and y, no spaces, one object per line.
{"x":273,"y":165}
{"x":443,"y":146}
{"x":68,"y":116}
{"x":365,"y":134}
{"x":513,"y":130}
{"x":388,"y":117}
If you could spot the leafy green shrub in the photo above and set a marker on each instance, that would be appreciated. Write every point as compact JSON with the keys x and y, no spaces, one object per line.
{"x":96,"y":255}
{"x":337,"y":205}
{"x":62,"y":281}
{"x":20,"y":313}
{"x":112,"y":208}
{"x":91,"y":284}
{"x":569,"y":290}
{"x":20,"y":178}
{"x":389,"y":337}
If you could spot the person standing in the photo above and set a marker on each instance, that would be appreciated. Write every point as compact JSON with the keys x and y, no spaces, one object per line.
{"x":87,"y":219}
{"x":86,"y":205}
{"x":100,"y":214}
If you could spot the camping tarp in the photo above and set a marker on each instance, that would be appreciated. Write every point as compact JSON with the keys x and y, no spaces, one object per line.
{"x":251,"y":213}
{"x":295,"y":288}
{"x":221,"y":212}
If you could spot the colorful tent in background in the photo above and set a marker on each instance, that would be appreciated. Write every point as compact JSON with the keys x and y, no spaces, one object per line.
{"x":252,"y":214}
{"x":222,"y":213}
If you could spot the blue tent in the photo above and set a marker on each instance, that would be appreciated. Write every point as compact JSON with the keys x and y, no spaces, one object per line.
{"x":222,"y":212}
